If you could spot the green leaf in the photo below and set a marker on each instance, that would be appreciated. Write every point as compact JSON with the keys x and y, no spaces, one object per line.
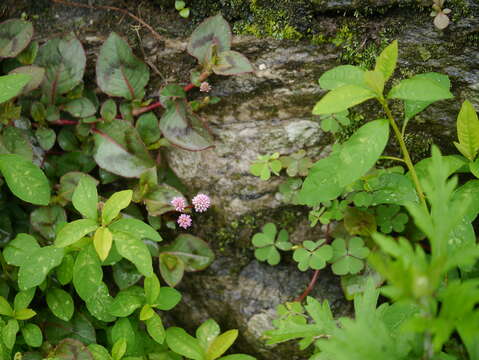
{"x":419,"y":89}
{"x":100,"y":303}
{"x":184,"y":344}
{"x":375,"y":81}
{"x":184,"y":129}
{"x":386,"y":61}
{"x":5,"y":308}
{"x":117,"y":202}
{"x":19,"y":249}
{"x":146,"y":312}
{"x":468,"y":131}
{"x":99,"y":352}
{"x":102,"y":240}
{"x":342,"y":98}
{"x":36,"y":74}
{"x":32,"y":335}
{"x":9,"y":333}
{"x":148,"y":128}
{"x":25,"y":179}
{"x":118,"y":349}
{"x":232,"y":63}
{"x":169,"y":298}
{"x":127,"y":301}
{"x":23,"y":299}
{"x":85,"y":198}
{"x":15,"y":35}
{"x":347,"y":259}
{"x":172,"y":268}
{"x":136,"y":228}
{"x":65,"y":271}
{"x":108,"y":110}
{"x":215,"y":33}
{"x":87,"y":273}
{"x":12,"y":85}
{"x":34,"y":271}
{"x":80,"y":108}
{"x":237,"y":357}
{"x":119,"y":71}
{"x":411,"y":108}
{"x":60,"y":303}
{"x":151,"y":285}
{"x":46,"y":137}
{"x":179,"y":5}
{"x":361,"y":151}
{"x":24,"y":314}
{"x":193,"y":251}
{"x":222,"y":343}
{"x":124,"y":330}
{"x":64,"y":61}
{"x":17,"y":141}
{"x":207,"y":332}
{"x":120,"y":150}
{"x":74,"y":231}
{"x":342,"y":75}
{"x":133,"y":249}
{"x":155,"y":328}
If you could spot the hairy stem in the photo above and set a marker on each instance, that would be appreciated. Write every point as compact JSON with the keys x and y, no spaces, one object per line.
{"x":405,"y":152}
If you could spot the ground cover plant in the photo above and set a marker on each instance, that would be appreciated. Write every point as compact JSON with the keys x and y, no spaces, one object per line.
{"x":405,"y":232}
{"x":85,"y":272}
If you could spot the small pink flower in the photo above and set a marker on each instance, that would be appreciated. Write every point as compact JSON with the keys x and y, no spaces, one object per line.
{"x":205,"y":87}
{"x":184,"y":221}
{"x":179,"y":203}
{"x":201,"y":202}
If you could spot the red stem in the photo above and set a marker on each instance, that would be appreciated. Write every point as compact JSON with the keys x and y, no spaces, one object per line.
{"x":189,"y":87}
{"x":150,"y":107}
{"x":309,"y":288}
{"x":64,"y":122}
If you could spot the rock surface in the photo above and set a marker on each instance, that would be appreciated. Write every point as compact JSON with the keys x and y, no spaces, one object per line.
{"x":270,"y":111}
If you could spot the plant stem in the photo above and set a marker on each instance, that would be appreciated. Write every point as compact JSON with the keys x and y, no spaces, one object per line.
{"x":405,"y":153}
{"x":309,"y":288}
{"x":391,"y":158}
{"x":144,"y":109}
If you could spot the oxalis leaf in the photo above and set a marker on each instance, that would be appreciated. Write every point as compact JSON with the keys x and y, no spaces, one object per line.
{"x":213,"y":32}
{"x":25,"y":179}
{"x":64,"y":61}
{"x":119,"y":72}
{"x":15,"y":35}
{"x":120,"y":150}
{"x":184,"y":129}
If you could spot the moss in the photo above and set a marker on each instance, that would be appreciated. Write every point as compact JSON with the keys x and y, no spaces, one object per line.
{"x":460,"y":9}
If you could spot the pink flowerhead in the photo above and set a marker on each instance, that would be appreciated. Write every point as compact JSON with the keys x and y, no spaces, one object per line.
{"x":201,"y":202}
{"x":179,"y":203}
{"x":205,"y":87}
{"x":184,"y":221}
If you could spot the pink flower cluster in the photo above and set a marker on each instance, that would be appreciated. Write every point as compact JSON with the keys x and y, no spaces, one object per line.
{"x":201,"y":203}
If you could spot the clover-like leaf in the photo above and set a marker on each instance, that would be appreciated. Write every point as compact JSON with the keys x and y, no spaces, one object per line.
{"x":390,"y":218}
{"x":296,"y":164}
{"x":313,"y":254}
{"x":265,"y":165}
{"x":348,"y":256}
{"x":15,"y":35}
{"x":267,"y":244}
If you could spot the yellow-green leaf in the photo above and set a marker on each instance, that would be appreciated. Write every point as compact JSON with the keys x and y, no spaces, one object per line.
{"x":468,"y":131}
{"x":117,"y":202}
{"x":221,"y":344}
{"x":146,"y":312}
{"x":74,"y":231}
{"x":102,"y":240}
{"x":375,"y":81}
{"x":386,"y":61}
{"x":24,"y":314}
